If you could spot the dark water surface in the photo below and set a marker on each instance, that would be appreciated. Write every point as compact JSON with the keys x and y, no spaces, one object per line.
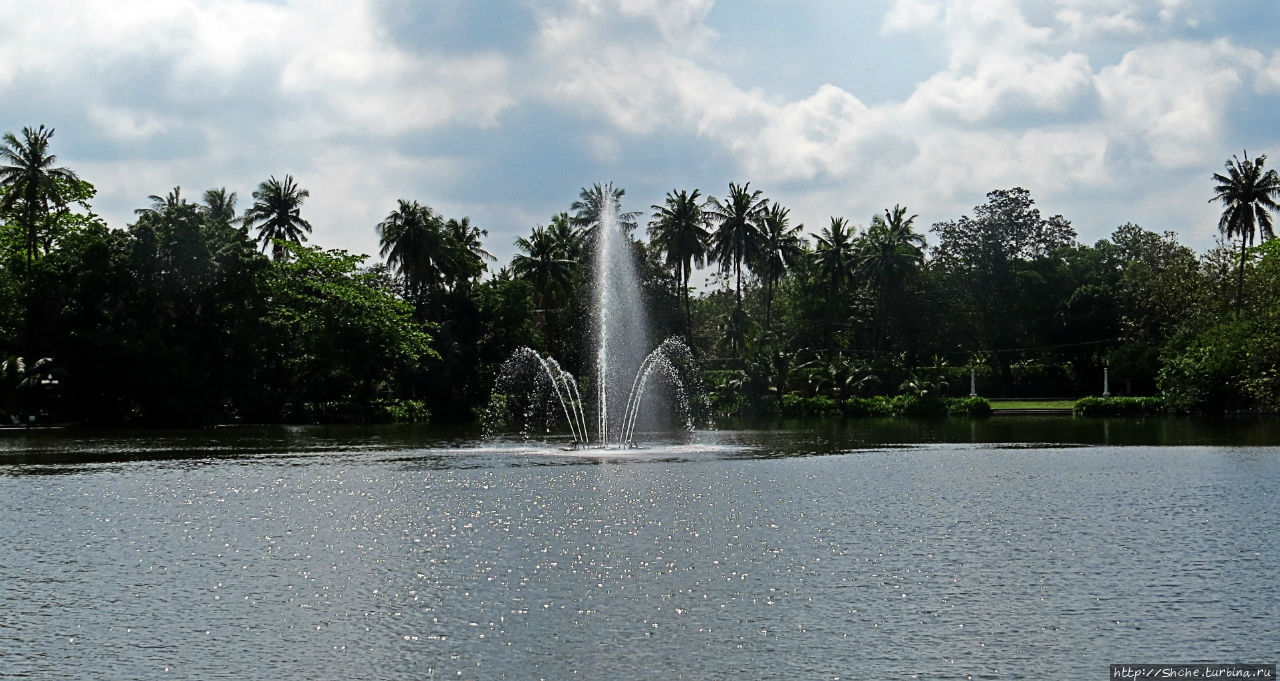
{"x":1042,"y":547}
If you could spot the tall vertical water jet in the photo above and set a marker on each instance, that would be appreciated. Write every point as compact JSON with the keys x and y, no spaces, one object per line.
{"x":622,"y":340}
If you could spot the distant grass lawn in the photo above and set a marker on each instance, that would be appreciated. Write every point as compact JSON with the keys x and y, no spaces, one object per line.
{"x":1032,"y":404}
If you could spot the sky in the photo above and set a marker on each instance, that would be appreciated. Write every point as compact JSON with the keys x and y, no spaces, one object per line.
{"x":1108,"y":111}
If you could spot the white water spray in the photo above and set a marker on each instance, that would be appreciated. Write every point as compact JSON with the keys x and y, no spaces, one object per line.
{"x":623,"y":360}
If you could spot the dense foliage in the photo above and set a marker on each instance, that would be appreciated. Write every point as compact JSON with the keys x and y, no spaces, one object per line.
{"x":181,"y":317}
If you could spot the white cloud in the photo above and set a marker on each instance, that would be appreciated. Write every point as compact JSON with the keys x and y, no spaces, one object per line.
{"x":605,"y":148}
{"x":1006,"y":82}
{"x":1170,"y":9}
{"x":832,"y":134}
{"x":328,"y":57}
{"x":1083,"y":19}
{"x":124,"y":123}
{"x":348,"y":198}
{"x":1173,"y":97}
{"x":977,"y":28}
{"x":910,"y":15}
{"x":1269,"y":76}
{"x":677,"y":20}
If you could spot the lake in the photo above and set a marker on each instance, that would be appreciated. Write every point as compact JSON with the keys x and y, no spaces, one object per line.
{"x":1012,"y":547}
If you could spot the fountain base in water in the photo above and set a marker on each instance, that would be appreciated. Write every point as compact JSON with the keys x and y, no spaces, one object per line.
{"x":577,"y":446}
{"x":533,"y":387}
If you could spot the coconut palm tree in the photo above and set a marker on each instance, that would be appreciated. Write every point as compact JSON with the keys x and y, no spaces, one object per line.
{"x":568,"y":238}
{"x":679,"y":230}
{"x":738,"y":330}
{"x":469,"y":253}
{"x":545,"y":263}
{"x":834,"y":253}
{"x":276,"y":213}
{"x":781,"y":247}
{"x":18,"y":379}
{"x":834,"y":257}
{"x":220,"y":204}
{"x":592,"y":204}
{"x":885,"y":257}
{"x":31,"y":181}
{"x":412,"y":242}
{"x":902,"y":227}
{"x":737,"y":236}
{"x":161,"y":205}
{"x":1248,"y":195}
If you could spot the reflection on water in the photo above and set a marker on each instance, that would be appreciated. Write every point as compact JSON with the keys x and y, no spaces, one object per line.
{"x":894,"y":549}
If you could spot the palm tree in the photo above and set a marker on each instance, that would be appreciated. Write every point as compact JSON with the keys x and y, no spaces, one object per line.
{"x":737,"y":236}
{"x":546,"y":263}
{"x":570,"y":239}
{"x":18,"y":379}
{"x":833,"y":256}
{"x":592,"y":204}
{"x":220,"y":204}
{"x":886,"y":256}
{"x":276,"y":213}
{"x":737,"y":332}
{"x":161,"y":205}
{"x":31,"y":181}
{"x":411,"y":239}
{"x":679,"y":229}
{"x":31,"y":184}
{"x":781,"y":247}
{"x":902,"y":227}
{"x":833,"y":253}
{"x":469,"y":256}
{"x":1248,"y":195}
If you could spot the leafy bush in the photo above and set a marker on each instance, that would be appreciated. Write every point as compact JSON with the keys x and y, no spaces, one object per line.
{"x":969,"y":406}
{"x":868,"y":406}
{"x":819,"y":405}
{"x":1207,"y":373}
{"x":1110,"y":406}
{"x":400,"y":411}
{"x":918,"y":405}
{"x":378,"y":411}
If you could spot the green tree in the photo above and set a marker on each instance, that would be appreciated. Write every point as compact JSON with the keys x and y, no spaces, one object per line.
{"x":995,"y":272}
{"x":469,"y":256}
{"x":834,"y":258}
{"x":781,"y":247}
{"x":413,"y":242}
{"x":341,"y":341}
{"x":161,"y":205}
{"x":31,"y":182}
{"x":1159,"y":291}
{"x":277,"y":214}
{"x":736,"y":239}
{"x":19,"y":380}
{"x":545,"y":262}
{"x":221,"y":206}
{"x":887,"y":256}
{"x":679,"y":231}
{"x":571,"y":240}
{"x":592,"y":205}
{"x":1248,"y":195}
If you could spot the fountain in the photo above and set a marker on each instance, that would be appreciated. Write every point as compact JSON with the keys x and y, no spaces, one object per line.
{"x":624,"y":365}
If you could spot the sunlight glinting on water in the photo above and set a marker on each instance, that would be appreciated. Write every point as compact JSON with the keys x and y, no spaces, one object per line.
{"x":704,"y":559}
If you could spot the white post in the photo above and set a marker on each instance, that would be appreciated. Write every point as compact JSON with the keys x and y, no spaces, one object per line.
{"x":1106,"y":382}
{"x":973,"y":383}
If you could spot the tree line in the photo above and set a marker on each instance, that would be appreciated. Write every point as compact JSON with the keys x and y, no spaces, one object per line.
{"x":198,"y":312}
